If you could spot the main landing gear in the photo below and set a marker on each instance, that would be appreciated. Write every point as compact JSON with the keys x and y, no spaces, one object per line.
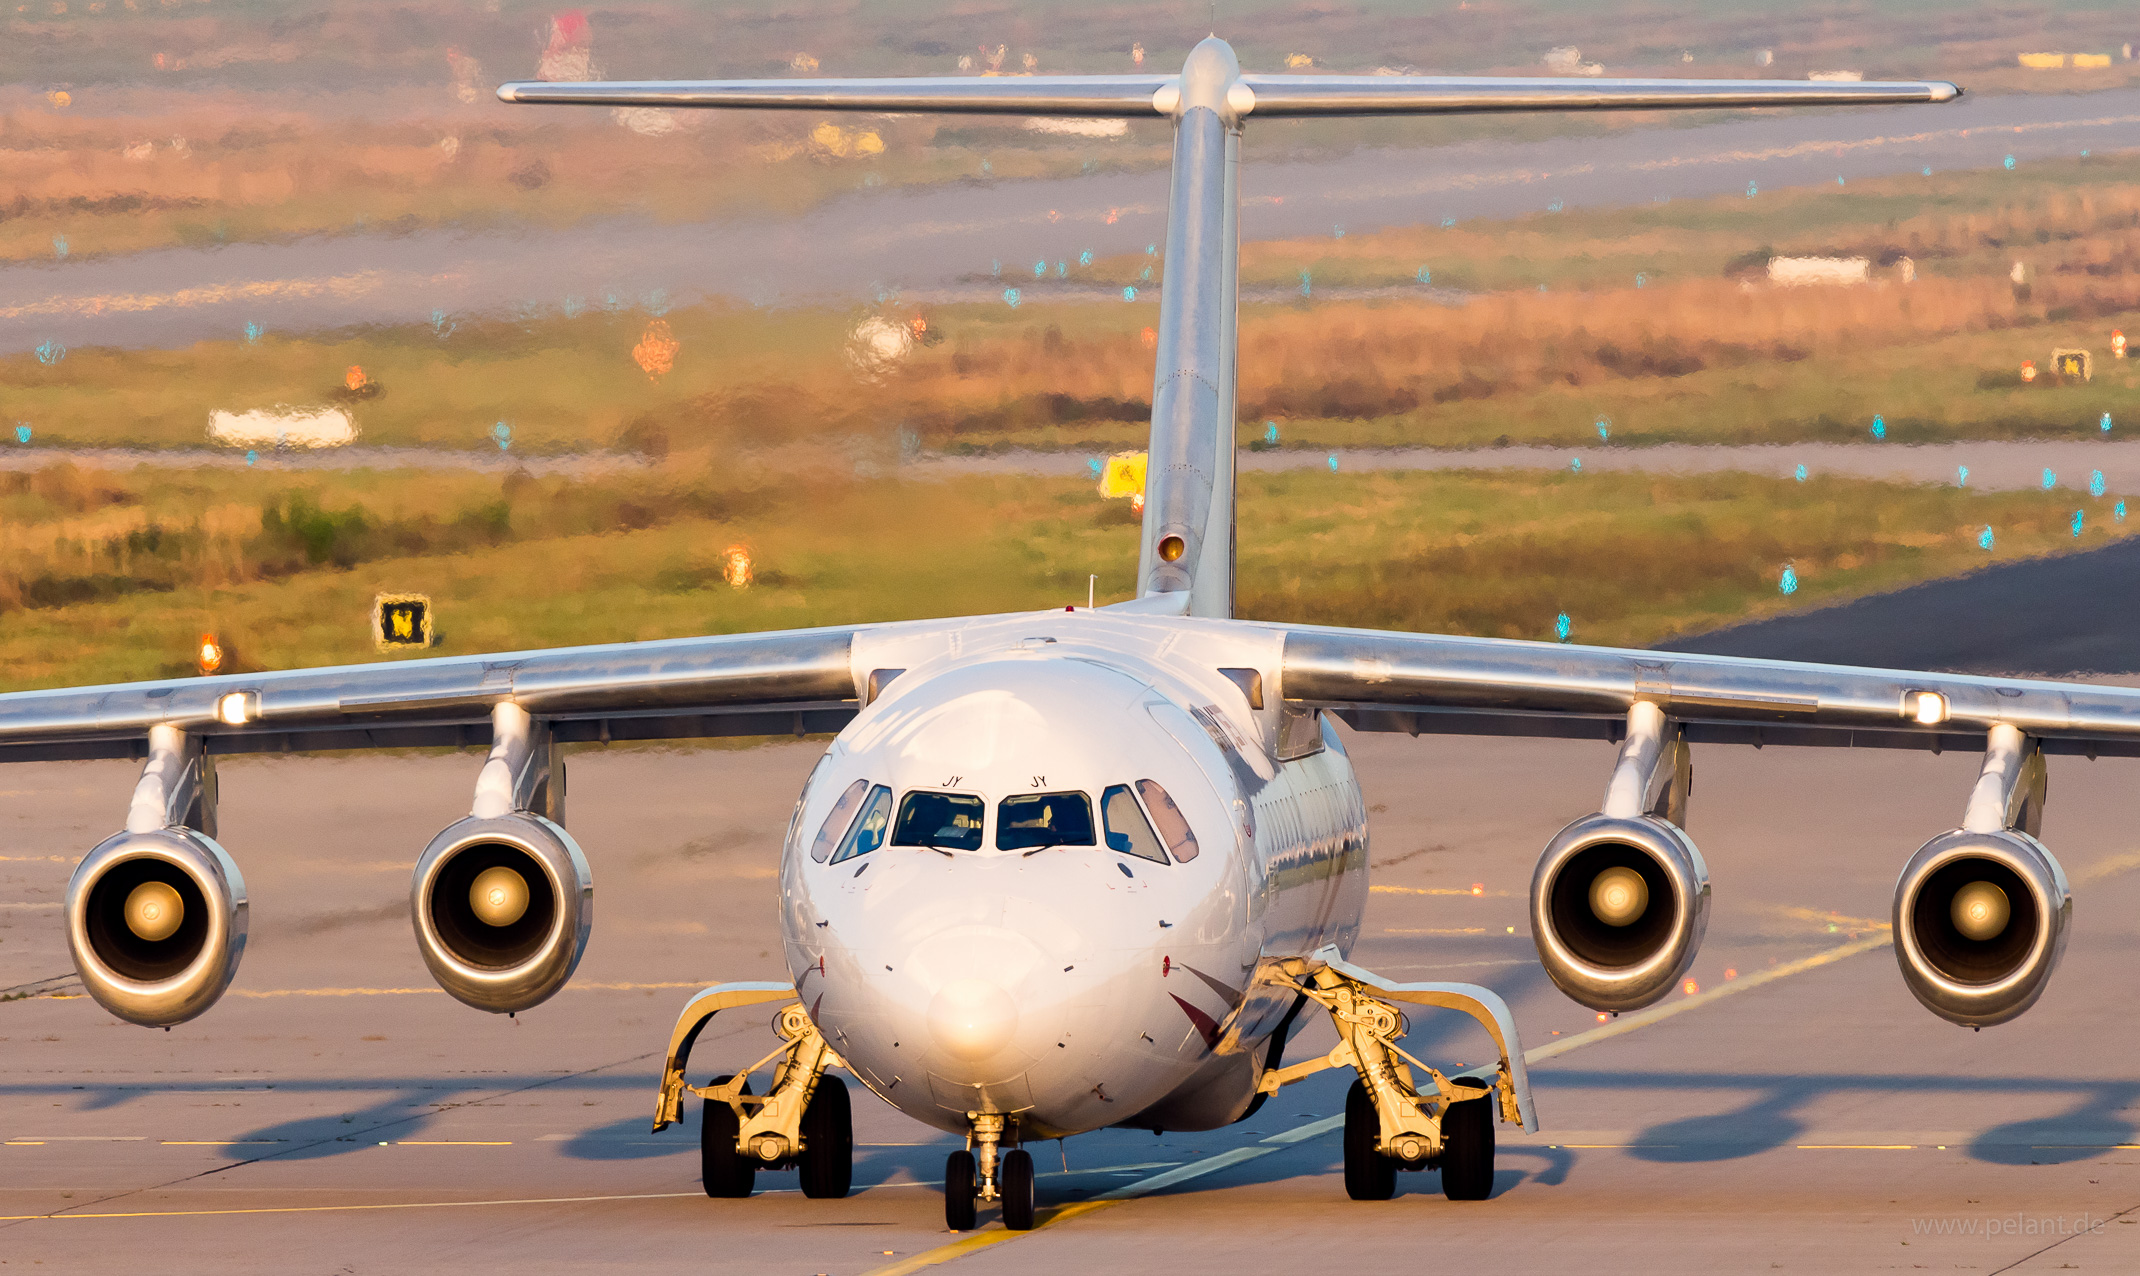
{"x":803,"y":1121}
{"x":969,"y":1180}
{"x":1391,"y":1123}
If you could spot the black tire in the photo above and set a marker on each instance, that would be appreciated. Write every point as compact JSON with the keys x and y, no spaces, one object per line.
{"x":1468,"y":1146}
{"x":958,"y":1191}
{"x":726,"y":1172}
{"x":1016,"y":1185}
{"x":1369,"y":1175}
{"x":828,"y":1134}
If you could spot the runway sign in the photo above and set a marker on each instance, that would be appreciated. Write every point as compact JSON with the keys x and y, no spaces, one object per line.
{"x":2071,"y":363}
{"x":401,"y":622}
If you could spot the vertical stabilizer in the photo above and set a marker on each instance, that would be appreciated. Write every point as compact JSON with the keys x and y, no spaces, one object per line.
{"x":1188,"y":502}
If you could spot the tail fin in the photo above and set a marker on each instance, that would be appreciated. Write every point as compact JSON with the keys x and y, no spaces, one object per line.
{"x":1188,"y":540}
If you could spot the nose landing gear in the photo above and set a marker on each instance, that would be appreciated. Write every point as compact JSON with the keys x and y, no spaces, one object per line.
{"x":971,"y":1178}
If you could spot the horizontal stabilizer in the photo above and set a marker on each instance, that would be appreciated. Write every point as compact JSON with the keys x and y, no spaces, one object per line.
{"x":1103,"y":95}
{"x":1298,"y":95}
{"x":1135,"y":96}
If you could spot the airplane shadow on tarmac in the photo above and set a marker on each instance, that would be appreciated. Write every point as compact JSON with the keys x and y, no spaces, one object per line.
{"x":1767,"y":1120}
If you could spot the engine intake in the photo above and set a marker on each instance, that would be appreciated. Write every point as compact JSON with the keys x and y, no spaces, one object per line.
{"x":1620,"y":899}
{"x":503,"y":900}
{"x":156,"y":913}
{"x":1981,"y":912}
{"x":1980,"y":922}
{"x":156,"y":923}
{"x":1618,"y":908}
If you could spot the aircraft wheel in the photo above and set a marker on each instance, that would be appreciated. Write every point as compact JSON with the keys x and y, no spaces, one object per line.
{"x":725,"y":1171}
{"x":1468,"y":1147}
{"x":1016,"y":1177}
{"x":1369,"y":1175}
{"x":828,"y":1134}
{"x":958,"y":1191}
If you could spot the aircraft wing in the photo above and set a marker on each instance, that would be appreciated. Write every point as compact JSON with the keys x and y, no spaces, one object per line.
{"x":1382,"y":681}
{"x":744,"y":684}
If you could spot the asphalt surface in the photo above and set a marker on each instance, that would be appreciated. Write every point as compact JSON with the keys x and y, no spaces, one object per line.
{"x":944,"y":242}
{"x":2077,"y":613}
{"x":336,"y":1114}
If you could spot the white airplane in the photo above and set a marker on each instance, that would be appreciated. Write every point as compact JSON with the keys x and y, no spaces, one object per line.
{"x":1067,"y":870}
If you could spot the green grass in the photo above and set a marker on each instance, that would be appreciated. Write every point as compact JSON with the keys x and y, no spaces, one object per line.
{"x":1631,"y":559}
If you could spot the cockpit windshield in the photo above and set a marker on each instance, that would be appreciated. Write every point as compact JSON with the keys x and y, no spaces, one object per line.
{"x":1033,"y":820}
{"x":843,"y":814}
{"x":948,"y":821}
{"x":1127,"y":829}
{"x":868,"y":833}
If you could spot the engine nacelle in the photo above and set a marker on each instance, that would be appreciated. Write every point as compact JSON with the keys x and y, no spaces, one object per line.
{"x":156,"y":922}
{"x":502,"y":907}
{"x":1980,"y":921}
{"x":1618,"y":907}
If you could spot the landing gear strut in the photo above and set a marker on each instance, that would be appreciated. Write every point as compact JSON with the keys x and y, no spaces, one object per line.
{"x":1393,"y":1123}
{"x":977,"y":1173}
{"x":803,"y":1120}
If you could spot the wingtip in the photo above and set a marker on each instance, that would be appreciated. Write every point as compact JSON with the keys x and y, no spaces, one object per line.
{"x":508,"y":93}
{"x":1942,"y":91}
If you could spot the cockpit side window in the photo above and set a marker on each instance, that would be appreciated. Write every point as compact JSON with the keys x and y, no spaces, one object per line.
{"x":868,"y":833}
{"x":947,"y":821}
{"x":1173,"y":825}
{"x":1127,"y":829}
{"x":1033,"y":820}
{"x":843,"y":814}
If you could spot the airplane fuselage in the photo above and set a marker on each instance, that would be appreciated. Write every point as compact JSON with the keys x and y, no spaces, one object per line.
{"x":1035,"y":874}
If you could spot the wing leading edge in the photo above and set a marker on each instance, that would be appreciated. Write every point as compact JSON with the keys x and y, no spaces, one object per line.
{"x":1382,"y":681}
{"x":744,"y":684}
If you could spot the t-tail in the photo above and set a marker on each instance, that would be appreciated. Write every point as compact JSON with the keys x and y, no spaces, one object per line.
{"x":1186,"y":558}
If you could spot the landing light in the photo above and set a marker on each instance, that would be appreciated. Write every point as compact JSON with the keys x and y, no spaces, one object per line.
{"x":1926,"y":708}
{"x":232,"y":710}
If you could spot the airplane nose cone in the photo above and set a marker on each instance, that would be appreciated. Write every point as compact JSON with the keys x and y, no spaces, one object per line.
{"x":972,"y":1018}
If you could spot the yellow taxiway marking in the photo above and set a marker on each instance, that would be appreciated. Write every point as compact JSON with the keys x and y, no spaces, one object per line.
{"x":1857,"y":1147}
{"x":1835,"y":920}
{"x":426,"y":992}
{"x":24,"y":1143}
{"x":1436,"y":890}
{"x":335,"y":1209}
{"x":996,"y":1233}
{"x":1625,"y":1024}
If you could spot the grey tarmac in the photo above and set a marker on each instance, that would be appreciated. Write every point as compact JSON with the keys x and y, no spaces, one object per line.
{"x":337,"y":1114}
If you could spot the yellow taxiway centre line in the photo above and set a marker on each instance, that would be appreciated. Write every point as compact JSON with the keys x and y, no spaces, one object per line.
{"x":1437,"y":890}
{"x":427,"y":992}
{"x":996,"y":1233}
{"x":1625,"y":1024}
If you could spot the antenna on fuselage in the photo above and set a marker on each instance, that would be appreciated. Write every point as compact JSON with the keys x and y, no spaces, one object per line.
{"x":1186,"y":555}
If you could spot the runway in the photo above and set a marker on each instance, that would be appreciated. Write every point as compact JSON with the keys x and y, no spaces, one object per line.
{"x":1798,"y":1112}
{"x":953,"y":241}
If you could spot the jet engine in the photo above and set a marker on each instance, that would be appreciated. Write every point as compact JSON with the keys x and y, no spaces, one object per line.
{"x":1620,"y":899}
{"x":1981,"y":912}
{"x":503,"y":900}
{"x":156,"y":913}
